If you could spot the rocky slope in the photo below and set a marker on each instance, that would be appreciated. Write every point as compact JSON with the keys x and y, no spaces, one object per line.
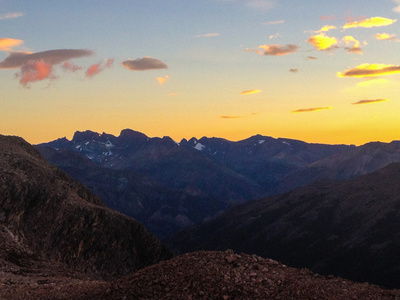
{"x":204,"y":275}
{"x":48,"y":218}
{"x":347,"y":229}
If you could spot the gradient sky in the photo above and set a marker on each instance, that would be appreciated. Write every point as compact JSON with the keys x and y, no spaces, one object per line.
{"x":318,"y":71}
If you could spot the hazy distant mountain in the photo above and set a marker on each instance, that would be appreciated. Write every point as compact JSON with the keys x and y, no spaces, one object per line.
{"x":49,"y":222}
{"x":168,"y":185}
{"x":348,"y":229}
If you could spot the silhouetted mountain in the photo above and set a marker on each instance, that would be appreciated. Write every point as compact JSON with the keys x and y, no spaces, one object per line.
{"x":49,"y":221}
{"x":349,"y":229}
{"x":344,"y":165}
{"x":168,"y":185}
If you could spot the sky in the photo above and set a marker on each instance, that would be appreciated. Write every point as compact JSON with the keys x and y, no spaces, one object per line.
{"x":317,"y":71}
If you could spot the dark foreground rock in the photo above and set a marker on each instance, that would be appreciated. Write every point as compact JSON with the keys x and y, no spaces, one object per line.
{"x":200,"y":275}
{"x":50,"y":221}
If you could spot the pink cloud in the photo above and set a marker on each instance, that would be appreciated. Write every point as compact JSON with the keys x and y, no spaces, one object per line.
{"x":35,"y":71}
{"x":70,"y":66}
{"x":97,"y":68}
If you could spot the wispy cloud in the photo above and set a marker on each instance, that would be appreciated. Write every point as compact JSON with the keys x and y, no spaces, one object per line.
{"x":250,"y":92}
{"x":370,"y":70}
{"x":397,"y":8}
{"x":17,"y":59}
{"x":275,"y":50}
{"x":144,"y":64}
{"x":370,"y":101}
{"x":312,"y":57}
{"x":371,"y":22}
{"x":97,"y":68}
{"x":327,"y":18}
{"x":35,"y":71}
{"x":11,"y":15}
{"x":355,"y":44}
{"x":294,"y":70}
{"x":273,"y":22}
{"x":231,"y":117}
{"x":322,"y":42}
{"x":386,"y":36}
{"x":326,"y":28}
{"x":70,"y":67}
{"x":6,"y":44}
{"x":310,"y":109}
{"x":213,"y":34}
{"x":162,"y":80}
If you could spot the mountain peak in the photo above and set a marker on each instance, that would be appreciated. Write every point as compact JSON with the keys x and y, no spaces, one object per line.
{"x":80,"y":136}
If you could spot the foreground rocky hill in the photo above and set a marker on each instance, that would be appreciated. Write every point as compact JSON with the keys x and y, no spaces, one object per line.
{"x":49,"y":221}
{"x":348,"y":229}
{"x":202,"y":275}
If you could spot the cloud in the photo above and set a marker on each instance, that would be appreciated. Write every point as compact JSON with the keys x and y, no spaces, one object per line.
{"x":370,"y":101}
{"x":6,"y":44}
{"x":376,"y":83}
{"x":368,"y":23}
{"x":231,"y":117}
{"x":355,"y":48}
{"x":327,"y":28}
{"x":272,"y":36}
{"x":70,"y":66}
{"x":310,"y":109}
{"x":144,"y":64}
{"x":370,"y":70}
{"x":386,"y":36}
{"x":35,"y":71}
{"x":11,"y":15}
{"x":97,"y":68}
{"x":322,"y":42}
{"x":273,"y":22}
{"x":327,"y":18}
{"x":161,"y":80}
{"x":397,"y":8}
{"x":17,"y":59}
{"x":312,"y":57}
{"x":294,"y":70}
{"x":249,"y":92}
{"x":277,"y":50}
{"x":207,"y":35}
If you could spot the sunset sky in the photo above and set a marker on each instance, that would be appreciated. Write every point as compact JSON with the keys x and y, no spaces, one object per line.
{"x":318,"y":71}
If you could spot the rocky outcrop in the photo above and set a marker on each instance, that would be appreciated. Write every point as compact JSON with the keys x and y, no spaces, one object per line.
{"x":45,"y":215}
{"x":206,"y":275}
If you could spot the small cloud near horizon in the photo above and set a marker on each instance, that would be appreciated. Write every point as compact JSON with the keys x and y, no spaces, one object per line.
{"x":275,"y":50}
{"x":144,"y":64}
{"x":35,"y":71}
{"x":386,"y":37}
{"x":293,"y":70}
{"x":231,"y":117}
{"x":98,"y":68}
{"x":70,"y":66}
{"x":6,"y":44}
{"x":369,"y":23}
{"x":250,"y":92}
{"x":370,"y":101}
{"x":310,"y":109}
{"x":355,"y":47}
{"x":370,"y":70}
{"x":274,"y":22}
{"x":162,"y":80}
{"x":397,"y":8}
{"x":207,"y":35}
{"x":11,"y":15}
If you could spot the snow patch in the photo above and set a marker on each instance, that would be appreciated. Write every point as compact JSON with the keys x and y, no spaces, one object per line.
{"x":199,"y":147}
{"x":286,"y":143}
{"x":261,"y":141}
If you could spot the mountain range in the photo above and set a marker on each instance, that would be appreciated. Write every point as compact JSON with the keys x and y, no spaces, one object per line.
{"x":170,"y":185}
{"x":59,"y":241}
